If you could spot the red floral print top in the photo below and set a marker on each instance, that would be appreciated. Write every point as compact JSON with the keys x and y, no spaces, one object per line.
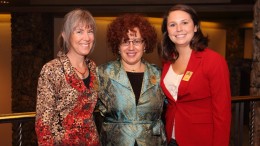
{"x":64,"y":111}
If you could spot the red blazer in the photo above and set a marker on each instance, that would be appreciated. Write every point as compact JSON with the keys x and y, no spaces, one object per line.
{"x":202,"y":112}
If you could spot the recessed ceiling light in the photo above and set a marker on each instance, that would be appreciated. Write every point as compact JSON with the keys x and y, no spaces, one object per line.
{"x":4,"y":2}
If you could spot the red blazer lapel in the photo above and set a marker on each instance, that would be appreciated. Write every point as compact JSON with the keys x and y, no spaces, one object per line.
{"x":193,"y":64}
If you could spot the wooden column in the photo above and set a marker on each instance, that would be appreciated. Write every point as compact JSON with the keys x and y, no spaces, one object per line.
{"x":32,"y":46}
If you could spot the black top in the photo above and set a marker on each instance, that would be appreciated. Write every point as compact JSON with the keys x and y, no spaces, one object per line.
{"x":136,"y":80}
{"x":87,"y":81}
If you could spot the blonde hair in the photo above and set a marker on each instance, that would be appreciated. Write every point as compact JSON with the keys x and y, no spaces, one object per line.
{"x":72,"y":20}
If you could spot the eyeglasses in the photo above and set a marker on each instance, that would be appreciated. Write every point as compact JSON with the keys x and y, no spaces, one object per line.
{"x":135,"y":42}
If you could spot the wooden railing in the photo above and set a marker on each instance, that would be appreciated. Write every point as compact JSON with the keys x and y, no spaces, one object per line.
{"x":10,"y":118}
{"x":19,"y":118}
{"x":237,"y":101}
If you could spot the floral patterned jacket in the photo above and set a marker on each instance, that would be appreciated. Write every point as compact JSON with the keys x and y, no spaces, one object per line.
{"x":125,"y":122}
{"x":64,"y":111}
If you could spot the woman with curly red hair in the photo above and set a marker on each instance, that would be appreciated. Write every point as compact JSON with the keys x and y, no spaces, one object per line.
{"x":130,"y":97}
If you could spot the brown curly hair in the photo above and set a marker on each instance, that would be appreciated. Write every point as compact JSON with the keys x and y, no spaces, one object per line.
{"x":117,"y":31}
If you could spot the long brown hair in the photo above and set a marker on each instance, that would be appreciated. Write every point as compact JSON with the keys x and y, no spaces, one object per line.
{"x":199,"y":42}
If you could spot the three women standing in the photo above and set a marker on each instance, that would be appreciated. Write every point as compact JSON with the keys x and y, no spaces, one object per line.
{"x":194,"y":78}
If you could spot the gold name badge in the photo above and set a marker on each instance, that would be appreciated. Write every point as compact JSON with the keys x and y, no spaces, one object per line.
{"x":187,"y":76}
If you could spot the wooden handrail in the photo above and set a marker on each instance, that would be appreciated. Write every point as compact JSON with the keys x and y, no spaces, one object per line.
{"x":244,"y":98}
{"x":9,"y":118}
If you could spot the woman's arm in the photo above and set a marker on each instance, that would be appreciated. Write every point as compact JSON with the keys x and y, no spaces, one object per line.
{"x":45,"y":108}
{"x":221,"y":101}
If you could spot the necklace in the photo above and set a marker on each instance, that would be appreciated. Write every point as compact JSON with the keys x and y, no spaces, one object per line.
{"x":128,"y":69}
{"x":132,"y":70}
{"x":82,"y":73}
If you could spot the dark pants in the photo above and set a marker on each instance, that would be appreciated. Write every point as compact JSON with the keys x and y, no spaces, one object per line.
{"x":173,"y":142}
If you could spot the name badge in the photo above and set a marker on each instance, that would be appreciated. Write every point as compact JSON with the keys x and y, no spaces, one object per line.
{"x":187,"y":76}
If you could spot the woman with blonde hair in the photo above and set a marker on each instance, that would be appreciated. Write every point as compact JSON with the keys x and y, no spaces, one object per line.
{"x":66,"y":92}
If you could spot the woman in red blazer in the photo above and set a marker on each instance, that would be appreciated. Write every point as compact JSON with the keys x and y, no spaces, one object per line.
{"x":196,"y":81}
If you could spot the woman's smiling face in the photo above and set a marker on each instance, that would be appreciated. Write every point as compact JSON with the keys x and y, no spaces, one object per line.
{"x":180,"y":28}
{"x":81,"y":40}
{"x":133,"y":52}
